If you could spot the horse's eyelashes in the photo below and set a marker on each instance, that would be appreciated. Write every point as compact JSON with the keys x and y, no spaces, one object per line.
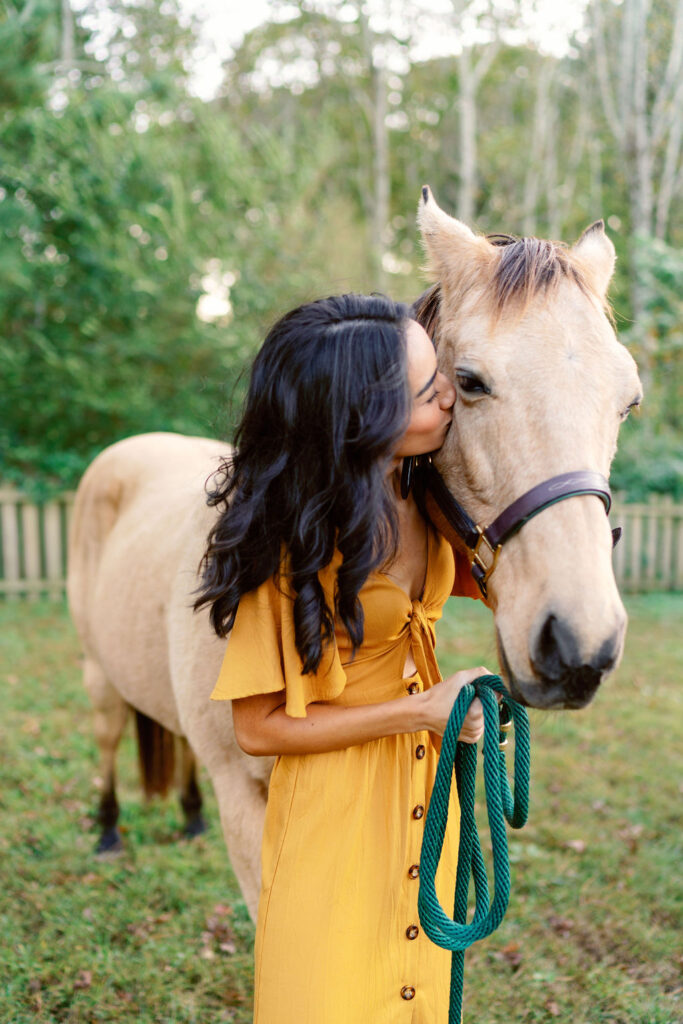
{"x":471,"y":384}
{"x":633,"y":407}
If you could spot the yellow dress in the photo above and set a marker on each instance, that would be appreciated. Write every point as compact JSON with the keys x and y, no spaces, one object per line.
{"x":338,"y":939}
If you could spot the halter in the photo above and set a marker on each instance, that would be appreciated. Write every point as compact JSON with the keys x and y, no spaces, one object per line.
{"x":484,"y":544}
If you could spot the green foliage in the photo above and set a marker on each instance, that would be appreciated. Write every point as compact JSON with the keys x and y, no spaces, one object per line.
{"x":650,"y":456}
{"x":97,"y":286}
{"x":29,"y":38}
{"x":161,"y":934}
{"x":111,"y":210}
{"x":121,"y":194}
{"x":658,"y":337}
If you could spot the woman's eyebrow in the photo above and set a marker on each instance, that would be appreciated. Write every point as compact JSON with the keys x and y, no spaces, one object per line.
{"x":427,"y":385}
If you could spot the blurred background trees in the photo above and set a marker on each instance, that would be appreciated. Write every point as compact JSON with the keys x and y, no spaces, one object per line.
{"x":149,"y":236}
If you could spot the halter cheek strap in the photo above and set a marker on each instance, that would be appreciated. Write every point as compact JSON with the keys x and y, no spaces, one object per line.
{"x":484,"y":544}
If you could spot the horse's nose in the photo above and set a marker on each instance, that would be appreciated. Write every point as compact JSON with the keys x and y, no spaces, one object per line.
{"x":556,"y":656}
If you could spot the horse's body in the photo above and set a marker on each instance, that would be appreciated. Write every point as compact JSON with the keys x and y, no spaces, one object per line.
{"x":139,"y":528}
{"x":542,"y":383}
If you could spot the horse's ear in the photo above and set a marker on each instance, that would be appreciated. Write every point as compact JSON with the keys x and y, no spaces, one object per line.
{"x":448,"y":242}
{"x":597,"y":256}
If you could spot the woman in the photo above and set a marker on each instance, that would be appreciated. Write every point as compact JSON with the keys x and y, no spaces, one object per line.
{"x":331,"y":580}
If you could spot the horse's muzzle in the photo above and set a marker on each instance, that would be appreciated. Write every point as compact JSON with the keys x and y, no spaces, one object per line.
{"x":560,"y":677}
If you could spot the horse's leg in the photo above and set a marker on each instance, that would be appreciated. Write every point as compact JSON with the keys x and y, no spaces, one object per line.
{"x":190,"y":794}
{"x":242,"y":806}
{"x":110,"y":713}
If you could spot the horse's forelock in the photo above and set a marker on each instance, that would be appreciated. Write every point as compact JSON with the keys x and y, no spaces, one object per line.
{"x":528,"y":267}
{"x":525,"y":268}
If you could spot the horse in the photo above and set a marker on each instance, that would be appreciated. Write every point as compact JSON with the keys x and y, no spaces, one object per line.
{"x":522,"y":328}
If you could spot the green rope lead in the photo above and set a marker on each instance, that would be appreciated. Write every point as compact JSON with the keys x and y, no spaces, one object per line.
{"x":454,"y":933}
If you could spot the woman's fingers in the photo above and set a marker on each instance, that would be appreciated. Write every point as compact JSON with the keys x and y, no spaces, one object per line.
{"x":439,"y":702}
{"x":473,"y":726}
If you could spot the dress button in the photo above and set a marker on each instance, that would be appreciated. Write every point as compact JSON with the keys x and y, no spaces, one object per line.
{"x":407,"y":992}
{"x":420,"y":751}
{"x":418,"y":811}
{"x":412,"y":931}
{"x":414,"y":871}
{"x":413,"y":688}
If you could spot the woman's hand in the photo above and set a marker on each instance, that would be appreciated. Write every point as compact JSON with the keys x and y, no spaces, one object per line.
{"x":439,"y":702}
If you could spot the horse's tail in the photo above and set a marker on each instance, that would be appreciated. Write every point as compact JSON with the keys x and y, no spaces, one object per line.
{"x":95,"y":511}
{"x":156,"y":755}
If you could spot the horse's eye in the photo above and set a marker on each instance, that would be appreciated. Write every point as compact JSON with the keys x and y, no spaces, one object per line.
{"x":471,"y":384}
{"x":633,"y":407}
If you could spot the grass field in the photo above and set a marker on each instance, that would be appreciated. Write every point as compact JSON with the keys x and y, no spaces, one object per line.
{"x":160,"y":934}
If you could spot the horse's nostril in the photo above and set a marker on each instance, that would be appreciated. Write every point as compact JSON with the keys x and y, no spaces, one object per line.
{"x":557,"y":658}
{"x":554,"y":650}
{"x":580,"y":684}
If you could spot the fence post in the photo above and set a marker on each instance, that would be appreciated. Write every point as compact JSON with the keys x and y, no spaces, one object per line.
{"x":10,"y":538}
{"x":53,"y":549}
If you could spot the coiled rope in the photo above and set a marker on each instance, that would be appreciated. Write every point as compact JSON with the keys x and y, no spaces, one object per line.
{"x":501,"y":805}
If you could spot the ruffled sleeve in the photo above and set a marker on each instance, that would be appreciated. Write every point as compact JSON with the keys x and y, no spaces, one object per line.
{"x":261,"y":655}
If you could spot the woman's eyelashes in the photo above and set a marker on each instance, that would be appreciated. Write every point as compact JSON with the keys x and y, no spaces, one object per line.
{"x":435,"y":394}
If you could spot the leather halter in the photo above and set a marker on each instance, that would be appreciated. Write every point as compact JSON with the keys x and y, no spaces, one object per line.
{"x":484,"y":544}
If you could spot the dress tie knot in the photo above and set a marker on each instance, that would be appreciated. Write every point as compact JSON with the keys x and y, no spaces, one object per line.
{"x":422,"y":642}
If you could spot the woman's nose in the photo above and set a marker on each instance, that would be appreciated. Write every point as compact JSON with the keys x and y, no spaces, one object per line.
{"x":446,"y":392}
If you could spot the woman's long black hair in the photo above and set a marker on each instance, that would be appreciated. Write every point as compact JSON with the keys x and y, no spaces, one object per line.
{"x":328,"y":401}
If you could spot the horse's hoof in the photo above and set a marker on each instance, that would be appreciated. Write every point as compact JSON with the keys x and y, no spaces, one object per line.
{"x":109,"y":843}
{"x":195,"y":826}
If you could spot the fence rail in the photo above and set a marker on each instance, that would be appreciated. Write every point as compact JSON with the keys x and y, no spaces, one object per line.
{"x":33,"y":545}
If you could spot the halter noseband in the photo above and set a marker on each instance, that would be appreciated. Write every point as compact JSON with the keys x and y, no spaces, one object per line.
{"x":484,"y":544}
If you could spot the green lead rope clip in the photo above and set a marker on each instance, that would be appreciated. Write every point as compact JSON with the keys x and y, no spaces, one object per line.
{"x":454,"y":933}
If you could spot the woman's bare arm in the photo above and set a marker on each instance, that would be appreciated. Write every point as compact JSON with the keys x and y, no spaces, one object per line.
{"x":262,"y":726}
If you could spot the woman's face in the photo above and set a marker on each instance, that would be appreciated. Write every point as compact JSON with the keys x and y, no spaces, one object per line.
{"x":433,"y":396}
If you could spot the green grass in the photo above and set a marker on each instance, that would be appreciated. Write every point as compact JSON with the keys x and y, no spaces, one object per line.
{"x":161,"y":935}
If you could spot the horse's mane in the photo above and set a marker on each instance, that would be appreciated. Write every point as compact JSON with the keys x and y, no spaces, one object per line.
{"x":525,"y":268}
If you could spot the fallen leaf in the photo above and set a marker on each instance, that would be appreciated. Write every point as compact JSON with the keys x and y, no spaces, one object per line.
{"x":630,"y":835}
{"x":577,"y":845}
{"x":222,"y":910}
{"x":35,"y":985}
{"x":552,"y":1008}
{"x":561,"y":925}
{"x":228,"y":947}
{"x":83,"y":979}
{"x":511,"y":955}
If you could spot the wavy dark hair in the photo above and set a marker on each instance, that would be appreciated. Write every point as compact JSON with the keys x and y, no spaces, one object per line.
{"x":328,"y":401}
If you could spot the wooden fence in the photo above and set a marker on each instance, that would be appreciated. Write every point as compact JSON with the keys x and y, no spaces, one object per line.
{"x":33,"y":545}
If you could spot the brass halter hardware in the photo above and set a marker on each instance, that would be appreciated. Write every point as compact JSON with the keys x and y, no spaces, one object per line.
{"x":475,"y":554}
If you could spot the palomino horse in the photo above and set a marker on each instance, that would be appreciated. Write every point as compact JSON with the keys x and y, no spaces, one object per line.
{"x":521,"y":328}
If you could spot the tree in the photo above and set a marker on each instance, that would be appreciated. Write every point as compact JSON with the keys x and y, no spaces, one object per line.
{"x":116,"y":204}
{"x":640,"y":80}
